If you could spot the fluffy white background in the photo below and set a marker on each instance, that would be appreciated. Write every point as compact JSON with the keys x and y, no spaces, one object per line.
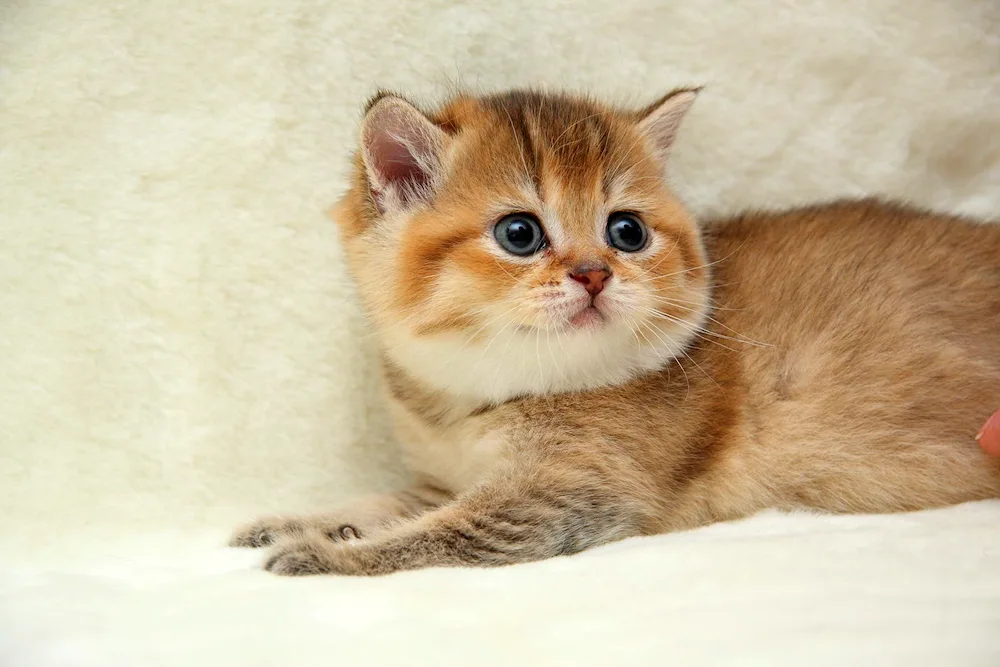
{"x":181,"y":349}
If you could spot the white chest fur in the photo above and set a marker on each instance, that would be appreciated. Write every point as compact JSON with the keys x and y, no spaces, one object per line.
{"x":456,"y":456}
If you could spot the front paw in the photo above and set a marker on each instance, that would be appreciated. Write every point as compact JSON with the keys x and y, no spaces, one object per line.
{"x":267,"y":531}
{"x":313,"y":555}
{"x":299,"y":559}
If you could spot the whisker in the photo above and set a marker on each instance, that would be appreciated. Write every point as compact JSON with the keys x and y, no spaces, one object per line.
{"x":672,"y":343}
{"x":473,"y":335}
{"x":538,"y":357}
{"x":700,"y":333}
{"x":666,"y":253}
{"x":635,"y":331}
{"x":548,"y":343}
{"x":517,"y":281}
{"x":690,"y":358}
{"x":492,"y":340}
{"x":738,"y":336}
{"x":496,"y":373}
{"x":708,"y":304}
{"x":562,"y":351}
{"x":693,"y":268}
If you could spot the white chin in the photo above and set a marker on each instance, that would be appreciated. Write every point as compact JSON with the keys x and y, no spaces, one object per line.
{"x":596,"y":352}
{"x":588,"y":318}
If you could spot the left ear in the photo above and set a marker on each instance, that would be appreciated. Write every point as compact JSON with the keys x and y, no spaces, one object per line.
{"x":660,"y":121}
{"x":402,"y":152}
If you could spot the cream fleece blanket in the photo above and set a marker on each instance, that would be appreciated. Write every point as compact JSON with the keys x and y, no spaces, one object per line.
{"x":181,"y":349}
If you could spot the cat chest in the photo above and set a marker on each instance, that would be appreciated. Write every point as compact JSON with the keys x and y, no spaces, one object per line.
{"x":457,"y":455}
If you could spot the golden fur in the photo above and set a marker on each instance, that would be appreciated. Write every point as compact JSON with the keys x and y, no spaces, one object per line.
{"x":838,"y":357}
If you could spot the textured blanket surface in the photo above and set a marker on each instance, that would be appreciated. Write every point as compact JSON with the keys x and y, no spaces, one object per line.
{"x":180,"y":348}
{"x":914,"y":589}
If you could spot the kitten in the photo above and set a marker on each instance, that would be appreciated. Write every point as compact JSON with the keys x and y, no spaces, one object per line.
{"x":572,"y":359}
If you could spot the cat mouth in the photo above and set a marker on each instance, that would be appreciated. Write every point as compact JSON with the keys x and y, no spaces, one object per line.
{"x":588,"y":318}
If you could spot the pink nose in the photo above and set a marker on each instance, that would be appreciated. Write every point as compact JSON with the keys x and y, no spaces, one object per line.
{"x":591,"y":278}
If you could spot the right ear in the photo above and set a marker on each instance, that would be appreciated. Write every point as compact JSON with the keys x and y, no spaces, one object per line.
{"x":660,"y":121}
{"x":402,"y":151}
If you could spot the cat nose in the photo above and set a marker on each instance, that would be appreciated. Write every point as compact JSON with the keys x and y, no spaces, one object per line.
{"x":591,"y":277}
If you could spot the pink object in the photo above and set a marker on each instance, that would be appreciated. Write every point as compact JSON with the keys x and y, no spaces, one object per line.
{"x":989,"y":435}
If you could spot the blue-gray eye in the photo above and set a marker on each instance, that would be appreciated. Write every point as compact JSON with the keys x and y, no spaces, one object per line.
{"x":519,"y":234}
{"x":627,"y":232}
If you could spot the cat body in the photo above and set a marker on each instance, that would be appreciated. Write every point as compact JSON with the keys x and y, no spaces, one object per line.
{"x":570,"y":359}
{"x":809,"y":405}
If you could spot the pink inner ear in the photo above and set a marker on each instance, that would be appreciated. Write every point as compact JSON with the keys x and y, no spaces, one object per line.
{"x":394,"y":163}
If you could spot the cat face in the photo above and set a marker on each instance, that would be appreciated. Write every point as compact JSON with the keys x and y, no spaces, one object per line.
{"x":523,"y":243}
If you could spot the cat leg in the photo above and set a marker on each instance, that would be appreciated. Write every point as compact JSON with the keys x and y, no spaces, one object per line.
{"x":356,"y":521}
{"x":515,"y":516}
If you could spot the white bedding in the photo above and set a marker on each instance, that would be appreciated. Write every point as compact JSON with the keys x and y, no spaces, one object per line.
{"x":180,"y":349}
{"x":916,"y":589}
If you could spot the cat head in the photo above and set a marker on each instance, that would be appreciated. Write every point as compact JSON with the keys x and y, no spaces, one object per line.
{"x":523,"y":243}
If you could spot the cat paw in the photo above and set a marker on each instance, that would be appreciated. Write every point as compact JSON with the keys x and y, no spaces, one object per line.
{"x":298,"y":559}
{"x":343,"y":533}
{"x":313,"y":555}
{"x":265,"y":532}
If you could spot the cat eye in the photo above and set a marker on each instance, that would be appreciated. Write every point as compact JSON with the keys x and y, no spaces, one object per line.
{"x":626,"y":232}
{"x":519,"y":234}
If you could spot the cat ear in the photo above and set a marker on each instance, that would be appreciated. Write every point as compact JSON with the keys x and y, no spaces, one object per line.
{"x":660,"y":121}
{"x":402,"y":151}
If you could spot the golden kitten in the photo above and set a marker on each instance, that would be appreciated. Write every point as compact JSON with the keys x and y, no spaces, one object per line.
{"x":572,"y":359}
